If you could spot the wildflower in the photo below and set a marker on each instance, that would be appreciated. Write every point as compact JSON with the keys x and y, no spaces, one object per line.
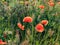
{"x":42,"y":6}
{"x":20,"y":26}
{"x":51,"y":3}
{"x":2,"y":43}
{"x":58,"y":2}
{"x":44,"y":22}
{"x":39,"y":28}
{"x":27,"y":19}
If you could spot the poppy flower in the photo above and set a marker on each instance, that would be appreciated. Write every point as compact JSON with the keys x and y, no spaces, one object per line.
{"x":20,"y":26}
{"x":58,"y":2}
{"x":39,"y":28}
{"x":51,"y":3}
{"x":42,"y":6}
{"x":44,"y":22}
{"x":1,"y":42}
{"x":27,"y":19}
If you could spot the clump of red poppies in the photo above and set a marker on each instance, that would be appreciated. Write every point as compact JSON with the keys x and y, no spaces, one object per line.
{"x":40,"y":27}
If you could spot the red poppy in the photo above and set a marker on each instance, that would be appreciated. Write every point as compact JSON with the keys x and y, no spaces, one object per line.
{"x":27,"y":19}
{"x":44,"y":22}
{"x":51,"y":3}
{"x":42,"y":6}
{"x":58,"y":2}
{"x":39,"y":28}
{"x":20,"y":26}
{"x":1,"y":42}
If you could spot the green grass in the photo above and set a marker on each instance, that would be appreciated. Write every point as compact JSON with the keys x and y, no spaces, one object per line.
{"x":14,"y":12}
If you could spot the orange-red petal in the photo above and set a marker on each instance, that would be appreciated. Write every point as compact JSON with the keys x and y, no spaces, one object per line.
{"x":27,"y":19}
{"x":39,"y":28}
{"x":42,"y":6}
{"x":51,"y":3}
{"x":1,"y":42}
{"x":59,"y":3}
{"x":44,"y":22}
{"x":22,"y":28}
{"x":19,"y":25}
